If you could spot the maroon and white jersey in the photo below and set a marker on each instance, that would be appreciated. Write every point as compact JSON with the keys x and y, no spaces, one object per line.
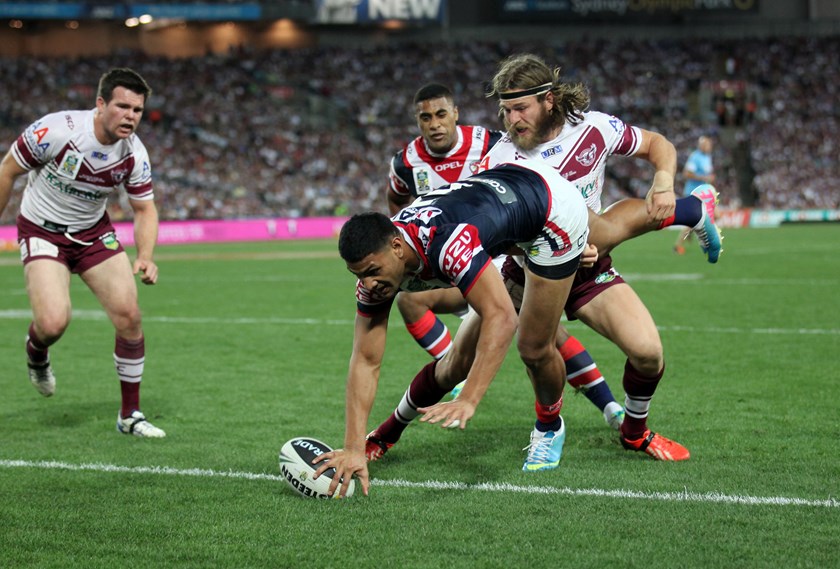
{"x":579,"y":152}
{"x":416,"y":171}
{"x":71,"y":173}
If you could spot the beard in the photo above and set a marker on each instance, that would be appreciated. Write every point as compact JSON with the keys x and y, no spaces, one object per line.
{"x":539,"y":132}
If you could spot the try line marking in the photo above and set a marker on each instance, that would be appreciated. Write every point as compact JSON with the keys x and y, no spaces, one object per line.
{"x":685,"y":496}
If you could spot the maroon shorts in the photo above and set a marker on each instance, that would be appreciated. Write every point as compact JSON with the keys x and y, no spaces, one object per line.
{"x":588,"y":283}
{"x":77,"y":251}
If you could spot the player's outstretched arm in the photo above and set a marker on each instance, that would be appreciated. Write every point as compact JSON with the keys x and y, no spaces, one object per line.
{"x":362,"y":381}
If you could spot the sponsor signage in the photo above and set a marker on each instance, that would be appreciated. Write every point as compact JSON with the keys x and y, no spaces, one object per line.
{"x":377,"y":11}
{"x":238,"y":11}
{"x":615,"y":9}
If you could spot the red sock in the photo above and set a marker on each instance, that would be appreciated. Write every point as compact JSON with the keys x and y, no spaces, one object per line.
{"x":548,"y":413}
{"x":432,"y":334}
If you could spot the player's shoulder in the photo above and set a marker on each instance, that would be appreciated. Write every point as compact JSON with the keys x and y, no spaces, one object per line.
{"x":67,"y":122}
{"x":399,"y":164}
{"x":601,"y":119}
{"x":494,"y":136}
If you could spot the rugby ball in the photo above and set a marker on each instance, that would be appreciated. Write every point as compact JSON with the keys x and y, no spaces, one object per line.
{"x":296,"y":467}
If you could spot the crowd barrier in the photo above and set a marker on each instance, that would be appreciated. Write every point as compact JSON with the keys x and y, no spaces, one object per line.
{"x":219,"y":231}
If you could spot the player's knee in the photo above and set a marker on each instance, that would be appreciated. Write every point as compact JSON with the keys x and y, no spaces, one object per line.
{"x":50,"y":327}
{"x":128,"y":321}
{"x":647,"y":358}
{"x":534,"y":352}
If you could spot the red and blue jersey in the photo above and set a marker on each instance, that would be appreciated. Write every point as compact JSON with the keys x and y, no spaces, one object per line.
{"x":457,"y":230}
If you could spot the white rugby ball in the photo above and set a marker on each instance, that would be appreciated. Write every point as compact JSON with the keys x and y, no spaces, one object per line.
{"x":297,"y":469}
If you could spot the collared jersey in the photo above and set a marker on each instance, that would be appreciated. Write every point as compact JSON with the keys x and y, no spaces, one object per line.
{"x":579,"y":153}
{"x":71,"y":173}
{"x":416,"y":171}
{"x":457,"y":230}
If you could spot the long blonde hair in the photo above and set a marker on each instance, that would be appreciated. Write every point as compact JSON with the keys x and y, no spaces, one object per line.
{"x":527,"y":71}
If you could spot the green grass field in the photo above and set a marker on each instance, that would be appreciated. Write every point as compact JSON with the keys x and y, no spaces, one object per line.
{"x":247,"y":346}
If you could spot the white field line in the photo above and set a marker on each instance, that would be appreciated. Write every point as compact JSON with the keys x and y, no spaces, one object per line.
{"x":99,"y":315}
{"x":684,"y":496}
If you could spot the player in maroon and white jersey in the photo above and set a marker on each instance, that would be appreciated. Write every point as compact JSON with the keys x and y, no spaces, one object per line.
{"x":546,"y":120}
{"x":443,"y":153}
{"x":448,"y":239}
{"x":74,"y":161}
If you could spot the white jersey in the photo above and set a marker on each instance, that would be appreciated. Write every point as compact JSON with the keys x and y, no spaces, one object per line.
{"x":579,"y":152}
{"x":71,"y":173}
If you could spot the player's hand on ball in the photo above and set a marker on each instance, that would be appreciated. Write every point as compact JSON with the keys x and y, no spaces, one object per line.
{"x":347,"y":464}
{"x":450,"y":414}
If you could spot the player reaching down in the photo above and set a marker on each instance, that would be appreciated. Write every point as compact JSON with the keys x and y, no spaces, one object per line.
{"x":75,"y":159}
{"x":447,"y":240}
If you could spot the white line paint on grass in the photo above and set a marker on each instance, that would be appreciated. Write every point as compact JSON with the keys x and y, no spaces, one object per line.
{"x":99,"y":315}
{"x":685,"y":496}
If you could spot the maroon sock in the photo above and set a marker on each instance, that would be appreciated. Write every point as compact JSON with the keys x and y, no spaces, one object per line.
{"x":638,"y":390}
{"x":35,"y":349}
{"x":129,"y":356}
{"x":130,"y":398}
{"x":422,"y":392}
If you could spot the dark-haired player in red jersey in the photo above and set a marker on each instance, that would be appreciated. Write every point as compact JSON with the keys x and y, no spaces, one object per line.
{"x":448,"y":239}
{"x":443,"y":153}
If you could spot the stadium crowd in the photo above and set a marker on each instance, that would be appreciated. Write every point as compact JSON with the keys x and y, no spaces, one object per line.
{"x":309,"y":132}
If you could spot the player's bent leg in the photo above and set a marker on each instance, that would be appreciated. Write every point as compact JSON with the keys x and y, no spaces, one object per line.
{"x":625,"y":219}
{"x":583,"y":375}
{"x":427,"y":388}
{"x":113,"y":284}
{"x":419,"y":309}
{"x":539,"y":318}
{"x":48,"y":288}
{"x":619,"y":315}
